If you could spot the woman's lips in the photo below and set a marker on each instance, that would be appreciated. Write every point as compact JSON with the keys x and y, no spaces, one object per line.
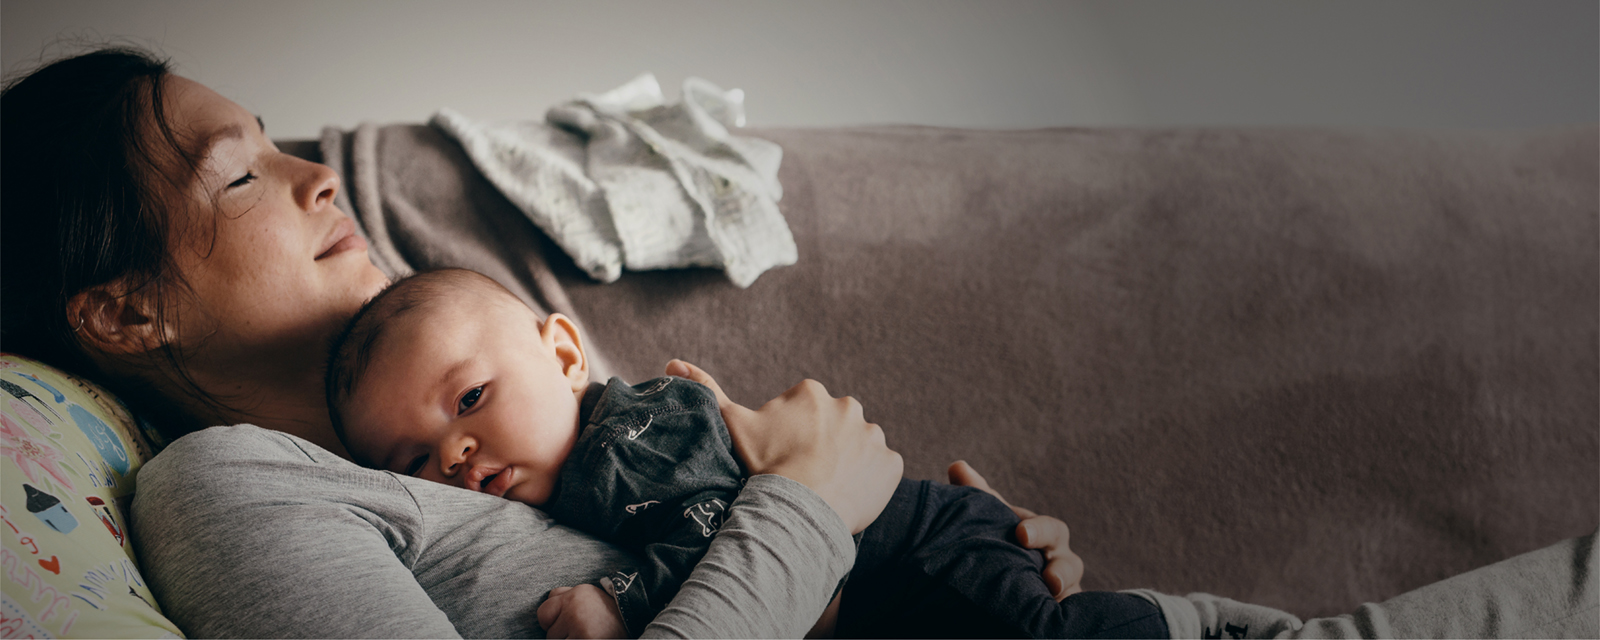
{"x":346,"y":240}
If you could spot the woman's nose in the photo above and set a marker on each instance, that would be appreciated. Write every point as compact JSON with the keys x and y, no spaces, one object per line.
{"x":316,"y":185}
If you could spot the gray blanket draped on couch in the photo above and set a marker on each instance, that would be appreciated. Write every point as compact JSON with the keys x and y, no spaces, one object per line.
{"x":1304,"y":368}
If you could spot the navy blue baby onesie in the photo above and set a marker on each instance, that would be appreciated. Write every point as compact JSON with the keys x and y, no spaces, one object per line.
{"x":654,"y":471}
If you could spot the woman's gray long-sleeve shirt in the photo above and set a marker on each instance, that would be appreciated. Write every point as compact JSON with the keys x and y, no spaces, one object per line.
{"x":244,"y":531}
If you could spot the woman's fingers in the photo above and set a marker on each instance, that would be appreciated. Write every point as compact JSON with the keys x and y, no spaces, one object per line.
{"x":1065,"y":572}
{"x":685,"y":370}
{"x":964,"y":475}
{"x":1042,"y":532}
{"x":1063,"y":569}
{"x":732,"y":412}
{"x":737,"y":418}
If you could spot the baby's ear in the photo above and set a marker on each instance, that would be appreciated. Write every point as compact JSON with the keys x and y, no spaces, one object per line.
{"x":560,"y":334}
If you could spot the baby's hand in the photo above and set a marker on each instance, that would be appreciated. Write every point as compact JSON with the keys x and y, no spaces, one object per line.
{"x":583,"y":611}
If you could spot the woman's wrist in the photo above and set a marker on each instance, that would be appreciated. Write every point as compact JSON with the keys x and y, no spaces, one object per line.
{"x":809,"y":436}
{"x":807,"y":501}
{"x":770,"y":571}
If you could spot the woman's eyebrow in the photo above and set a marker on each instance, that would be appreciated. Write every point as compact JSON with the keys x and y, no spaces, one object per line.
{"x":231,"y":132}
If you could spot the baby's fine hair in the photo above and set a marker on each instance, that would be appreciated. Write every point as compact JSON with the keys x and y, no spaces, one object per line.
{"x":352,"y":349}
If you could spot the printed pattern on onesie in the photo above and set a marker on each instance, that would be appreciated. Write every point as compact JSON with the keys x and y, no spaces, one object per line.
{"x":653,"y":471}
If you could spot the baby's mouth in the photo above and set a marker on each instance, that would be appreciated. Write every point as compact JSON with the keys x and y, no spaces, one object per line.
{"x":498,"y":484}
{"x":478,"y":477}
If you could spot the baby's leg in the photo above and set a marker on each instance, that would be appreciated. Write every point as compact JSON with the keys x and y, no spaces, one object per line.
{"x":942,"y":561}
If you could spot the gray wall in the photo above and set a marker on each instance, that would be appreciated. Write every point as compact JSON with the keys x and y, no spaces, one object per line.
{"x":304,"y":64}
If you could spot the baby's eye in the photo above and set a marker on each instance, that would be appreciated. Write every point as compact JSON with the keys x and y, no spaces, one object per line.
{"x":416,"y":465}
{"x":467,"y":401}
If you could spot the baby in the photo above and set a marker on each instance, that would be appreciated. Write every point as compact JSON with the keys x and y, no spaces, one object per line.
{"x":447,"y":376}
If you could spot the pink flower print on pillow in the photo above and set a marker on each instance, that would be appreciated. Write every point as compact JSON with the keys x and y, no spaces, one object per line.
{"x":28,"y":453}
{"x":31,"y":416}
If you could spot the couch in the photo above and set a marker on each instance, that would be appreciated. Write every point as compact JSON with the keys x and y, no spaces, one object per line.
{"x":1300,"y":367}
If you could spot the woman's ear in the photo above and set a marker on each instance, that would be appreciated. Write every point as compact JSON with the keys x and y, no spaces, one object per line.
{"x":561,"y":335}
{"x":110,"y":320}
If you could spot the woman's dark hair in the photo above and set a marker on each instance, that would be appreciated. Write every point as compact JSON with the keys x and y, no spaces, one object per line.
{"x":82,"y":201}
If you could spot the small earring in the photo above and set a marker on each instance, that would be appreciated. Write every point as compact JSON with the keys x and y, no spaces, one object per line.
{"x":80,"y":325}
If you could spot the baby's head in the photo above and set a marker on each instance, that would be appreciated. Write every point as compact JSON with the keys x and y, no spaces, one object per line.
{"x":447,"y":376}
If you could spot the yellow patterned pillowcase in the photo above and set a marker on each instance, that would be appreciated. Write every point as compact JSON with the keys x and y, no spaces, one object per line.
{"x":69,"y":453}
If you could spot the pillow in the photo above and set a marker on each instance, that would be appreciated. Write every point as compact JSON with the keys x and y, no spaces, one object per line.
{"x":69,"y":453}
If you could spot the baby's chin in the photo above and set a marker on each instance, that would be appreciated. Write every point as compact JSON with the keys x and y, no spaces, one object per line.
{"x":534,"y":492}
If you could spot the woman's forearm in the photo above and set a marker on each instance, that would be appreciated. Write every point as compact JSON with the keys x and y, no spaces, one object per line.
{"x":243,"y":533}
{"x":770,"y":571}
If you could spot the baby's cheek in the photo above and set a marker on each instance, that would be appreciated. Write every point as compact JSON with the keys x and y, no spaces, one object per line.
{"x":536,"y":491}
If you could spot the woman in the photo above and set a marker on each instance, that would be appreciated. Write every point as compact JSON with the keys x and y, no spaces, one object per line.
{"x":172,"y":252}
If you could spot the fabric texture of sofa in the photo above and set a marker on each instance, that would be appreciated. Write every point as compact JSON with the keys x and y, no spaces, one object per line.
{"x":1305,"y":368}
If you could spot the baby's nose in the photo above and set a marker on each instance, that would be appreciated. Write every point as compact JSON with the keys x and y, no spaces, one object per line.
{"x":458,"y":456}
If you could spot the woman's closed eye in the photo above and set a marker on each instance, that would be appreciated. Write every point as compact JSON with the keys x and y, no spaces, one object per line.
{"x":469,"y":400}
{"x":248,"y":178}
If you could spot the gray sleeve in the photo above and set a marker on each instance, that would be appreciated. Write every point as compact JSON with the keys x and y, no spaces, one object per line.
{"x":1202,"y":615}
{"x":771,"y":569}
{"x":247,"y":532}
{"x":1553,"y":592}
{"x":239,"y":535}
{"x":770,"y":572}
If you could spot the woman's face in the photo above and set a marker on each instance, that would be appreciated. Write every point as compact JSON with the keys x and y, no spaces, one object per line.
{"x":274,"y":267}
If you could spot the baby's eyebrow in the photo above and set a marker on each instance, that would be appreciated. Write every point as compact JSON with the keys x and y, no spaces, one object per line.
{"x":452,"y":371}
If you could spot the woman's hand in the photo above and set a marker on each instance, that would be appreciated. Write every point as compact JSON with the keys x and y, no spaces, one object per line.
{"x":817,"y":440}
{"x":1063,"y":569}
